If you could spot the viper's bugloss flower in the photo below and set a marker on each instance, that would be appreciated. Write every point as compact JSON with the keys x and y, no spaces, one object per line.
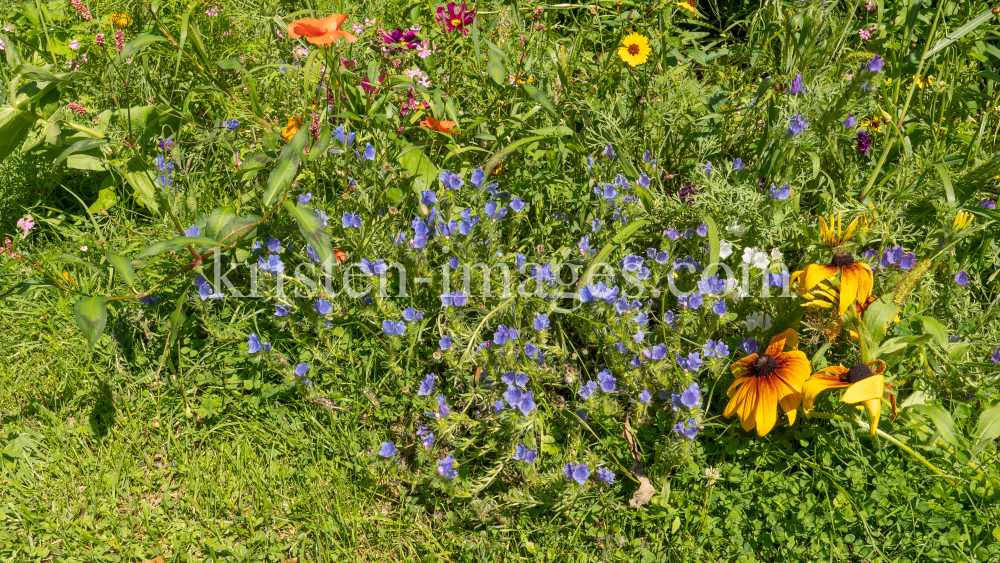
{"x":763,"y":382}
{"x":391,"y":328}
{"x":606,"y":381}
{"x":350,"y":220}
{"x":738,"y":165}
{"x":426,"y":385}
{"x":749,"y":345}
{"x":445,"y":466}
{"x":455,"y":298}
{"x":410,"y":314}
{"x":517,"y":205}
{"x":962,"y":278}
{"x":688,"y":430}
{"x":541,"y":322}
{"x":875,"y":64}
{"x":322,"y":307}
{"x":716,"y":349}
{"x":578,"y":473}
{"x":797,"y":124}
{"x":587,"y":391}
{"x":796,"y":87}
{"x":781,"y":193}
{"x":301,"y":369}
{"x":995,"y":358}
{"x":692,"y":362}
{"x":388,"y":449}
{"x":369,"y":154}
{"x":522,"y":453}
{"x":659,"y":352}
{"x":645,"y":397}
{"x":851,"y":121}
{"x":281,"y":310}
{"x":690,"y":397}
{"x":605,"y":475}
{"x":253,"y":344}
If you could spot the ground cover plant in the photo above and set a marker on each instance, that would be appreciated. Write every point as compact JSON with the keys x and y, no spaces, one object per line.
{"x":499,"y":281}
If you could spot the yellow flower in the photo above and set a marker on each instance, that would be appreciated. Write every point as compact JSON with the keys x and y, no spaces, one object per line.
{"x":864,"y":383}
{"x":635,"y":49}
{"x":689,"y":6}
{"x":832,"y":235}
{"x":855,"y":279}
{"x":961,"y":221}
{"x":119,"y":20}
{"x":924,"y":80}
{"x":294,"y":124}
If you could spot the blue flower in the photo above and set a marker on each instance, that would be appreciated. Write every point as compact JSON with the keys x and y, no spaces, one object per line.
{"x":609,"y":192}
{"x":797,"y":124}
{"x":702,"y":230}
{"x":322,"y":307}
{"x":443,"y":409}
{"x":338,"y":133}
{"x":311,"y":253}
{"x":691,"y":363}
{"x":393,"y":328}
{"x":515,"y":378}
{"x":851,"y":121}
{"x":541,"y":321}
{"x":738,"y":165}
{"x":281,"y":310}
{"x":302,"y":369}
{"x":192,"y":231}
{"x":445,"y":468}
{"x":455,"y":298}
{"x":647,"y":157}
{"x":149,"y":301}
{"x":609,"y":152}
{"x":205,"y":290}
{"x":410,"y":314}
{"x":782,"y":193}
{"x":517,"y":205}
{"x":477,"y":177}
{"x":578,"y":473}
{"x":995,"y":358}
{"x":388,"y":449}
{"x":445,"y":342}
{"x":587,"y":391}
{"x":499,"y":407}
{"x":254,"y":344}
{"x":522,"y":453}
{"x":632,"y":262}
{"x":527,"y":403}
{"x":427,"y":436}
{"x":605,"y":475}
{"x":689,"y":431}
{"x":231,"y":124}
{"x":659,"y":352}
{"x":322,"y":216}
{"x":369,"y":152}
{"x":428,"y":197}
{"x":495,"y":212}
{"x":669,"y":318}
{"x":426,"y":385}
{"x":272,"y":264}
{"x":749,"y":345}
{"x":796,"y":86}
{"x":452,"y":181}
{"x":645,"y":397}
{"x":606,"y":382}
{"x":962,"y":278}
{"x":672,"y":233}
{"x":777,"y":280}
{"x":719,"y":308}
{"x":350,"y":220}
{"x":707,"y":168}
{"x":716,"y":349}
{"x":875,"y":64}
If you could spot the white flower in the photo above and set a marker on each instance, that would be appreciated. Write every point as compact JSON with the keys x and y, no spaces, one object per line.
{"x":725,"y":249}
{"x":748,"y":253}
{"x":776,"y":254}
{"x":736,"y":229}
{"x":759,"y":320}
{"x":756,"y":258}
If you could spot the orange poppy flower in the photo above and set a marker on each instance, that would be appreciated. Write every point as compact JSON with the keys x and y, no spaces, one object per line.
{"x":863,"y":383}
{"x":442,"y":126}
{"x":763,"y":382}
{"x":320,"y":32}
{"x":294,"y":124}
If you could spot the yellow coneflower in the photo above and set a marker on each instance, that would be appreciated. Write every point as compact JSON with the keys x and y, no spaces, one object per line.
{"x":690,"y":7}
{"x":833,"y":235}
{"x":863,"y":383}
{"x":961,"y":221}
{"x":635,"y":49}
{"x":855,"y":278}
{"x":763,"y":382}
{"x":294,"y":124}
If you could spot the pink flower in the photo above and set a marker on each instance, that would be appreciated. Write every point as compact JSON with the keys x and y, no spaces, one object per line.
{"x":865,"y":34}
{"x":74,"y":44}
{"x":26,"y":224}
{"x":452,"y":19}
{"x":99,"y":39}
{"x":119,"y":40}
{"x":425,"y":50}
{"x":82,"y":10}
{"x":77,"y":108}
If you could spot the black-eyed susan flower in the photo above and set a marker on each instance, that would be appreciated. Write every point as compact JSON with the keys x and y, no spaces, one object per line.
{"x":690,"y":7}
{"x":833,"y":234}
{"x":765,"y":381}
{"x":864,"y":383}
{"x":635,"y":49}
{"x":855,"y":279}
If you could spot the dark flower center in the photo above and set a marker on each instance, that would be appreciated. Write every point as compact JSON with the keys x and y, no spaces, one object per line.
{"x":633,"y":49}
{"x":765,"y":365}
{"x":842,"y":260}
{"x":858,"y":373}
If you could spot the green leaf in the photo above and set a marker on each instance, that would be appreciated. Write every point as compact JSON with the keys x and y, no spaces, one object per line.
{"x":714,"y":246}
{"x":987,"y":429}
{"x":79,"y":146}
{"x":14,"y":128}
{"x":945,"y":425}
{"x":540,"y":98}
{"x":420,"y":168}
{"x":237,"y":228}
{"x":285,"y":169}
{"x":495,"y":68}
{"x":961,"y":32}
{"x":619,"y":239}
{"x":312,"y":229}
{"x":140,"y":177}
{"x":503,"y":153}
{"x":132,"y":48}
{"x":936,"y":330}
{"x":175,"y":244}
{"x":123,"y":266}
{"x":177,"y":316}
{"x":949,"y":191}
{"x":220,"y":217}
{"x":92,"y":317}
{"x":878,"y":316}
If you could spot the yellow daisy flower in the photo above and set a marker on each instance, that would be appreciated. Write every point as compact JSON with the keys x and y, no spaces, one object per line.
{"x":635,"y":49}
{"x":689,"y":6}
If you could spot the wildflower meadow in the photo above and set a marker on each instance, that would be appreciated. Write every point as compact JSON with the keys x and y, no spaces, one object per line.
{"x":291,"y":281}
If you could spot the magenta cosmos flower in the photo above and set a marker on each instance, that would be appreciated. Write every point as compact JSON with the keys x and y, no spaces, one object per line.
{"x":400,"y":40}
{"x":453,"y":19}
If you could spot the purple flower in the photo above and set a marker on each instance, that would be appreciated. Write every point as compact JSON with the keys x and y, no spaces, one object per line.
{"x":517,"y":205}
{"x":962,"y":278}
{"x":587,"y":391}
{"x":452,"y":181}
{"x":428,"y":197}
{"x":522,"y":453}
{"x":797,"y":124}
{"x":738,"y":165}
{"x":445,"y":466}
{"x":477,"y":177}
{"x":455,"y":298}
{"x":672,"y":233}
{"x":605,"y":475}
{"x":444,"y":343}
{"x":875,"y":64}
{"x":541,"y":321}
{"x":578,"y":473}
{"x":443,"y":409}
{"x":499,"y":407}
{"x":301,"y":369}
{"x":686,"y":194}
{"x":254,"y":344}
{"x":393,"y":328}
{"x":719,"y":308}
{"x":272,"y":264}
{"x":691,"y":397}
{"x":851,"y":121}
{"x":645,"y":397}
{"x":716,"y":349}
{"x":495,"y":211}
{"x":426,"y":385}
{"x":995,"y":358}
{"x":689,"y":431}
{"x":427,"y":436}
{"x":350,"y":220}
{"x":388,"y":449}
{"x":606,"y":382}
{"x":659,"y":352}
{"x":908,"y":261}
{"x":691,"y":363}
{"x":192,"y":231}
{"x":400,"y":40}
{"x":632,"y":263}
{"x":456,"y":19}
{"x":702,"y":230}
{"x":281,"y":311}
{"x":369,"y":152}
{"x":749,"y":345}
{"x":322,"y":307}
{"x":864,"y":139}
{"x":796,"y":86}
{"x":707,"y":168}
{"x":892,"y":256}
{"x":988,"y":204}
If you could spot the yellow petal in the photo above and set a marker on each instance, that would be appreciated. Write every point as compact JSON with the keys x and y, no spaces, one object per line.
{"x":874,"y":407}
{"x":865,"y":390}
{"x":767,"y":406}
{"x":816,"y":385}
{"x":815,"y":273}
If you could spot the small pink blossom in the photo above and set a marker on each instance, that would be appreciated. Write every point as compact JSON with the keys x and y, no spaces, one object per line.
{"x":99,"y":39}
{"x":119,"y":40}
{"x":865,"y":33}
{"x":74,"y":44}
{"x":26,"y":224}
